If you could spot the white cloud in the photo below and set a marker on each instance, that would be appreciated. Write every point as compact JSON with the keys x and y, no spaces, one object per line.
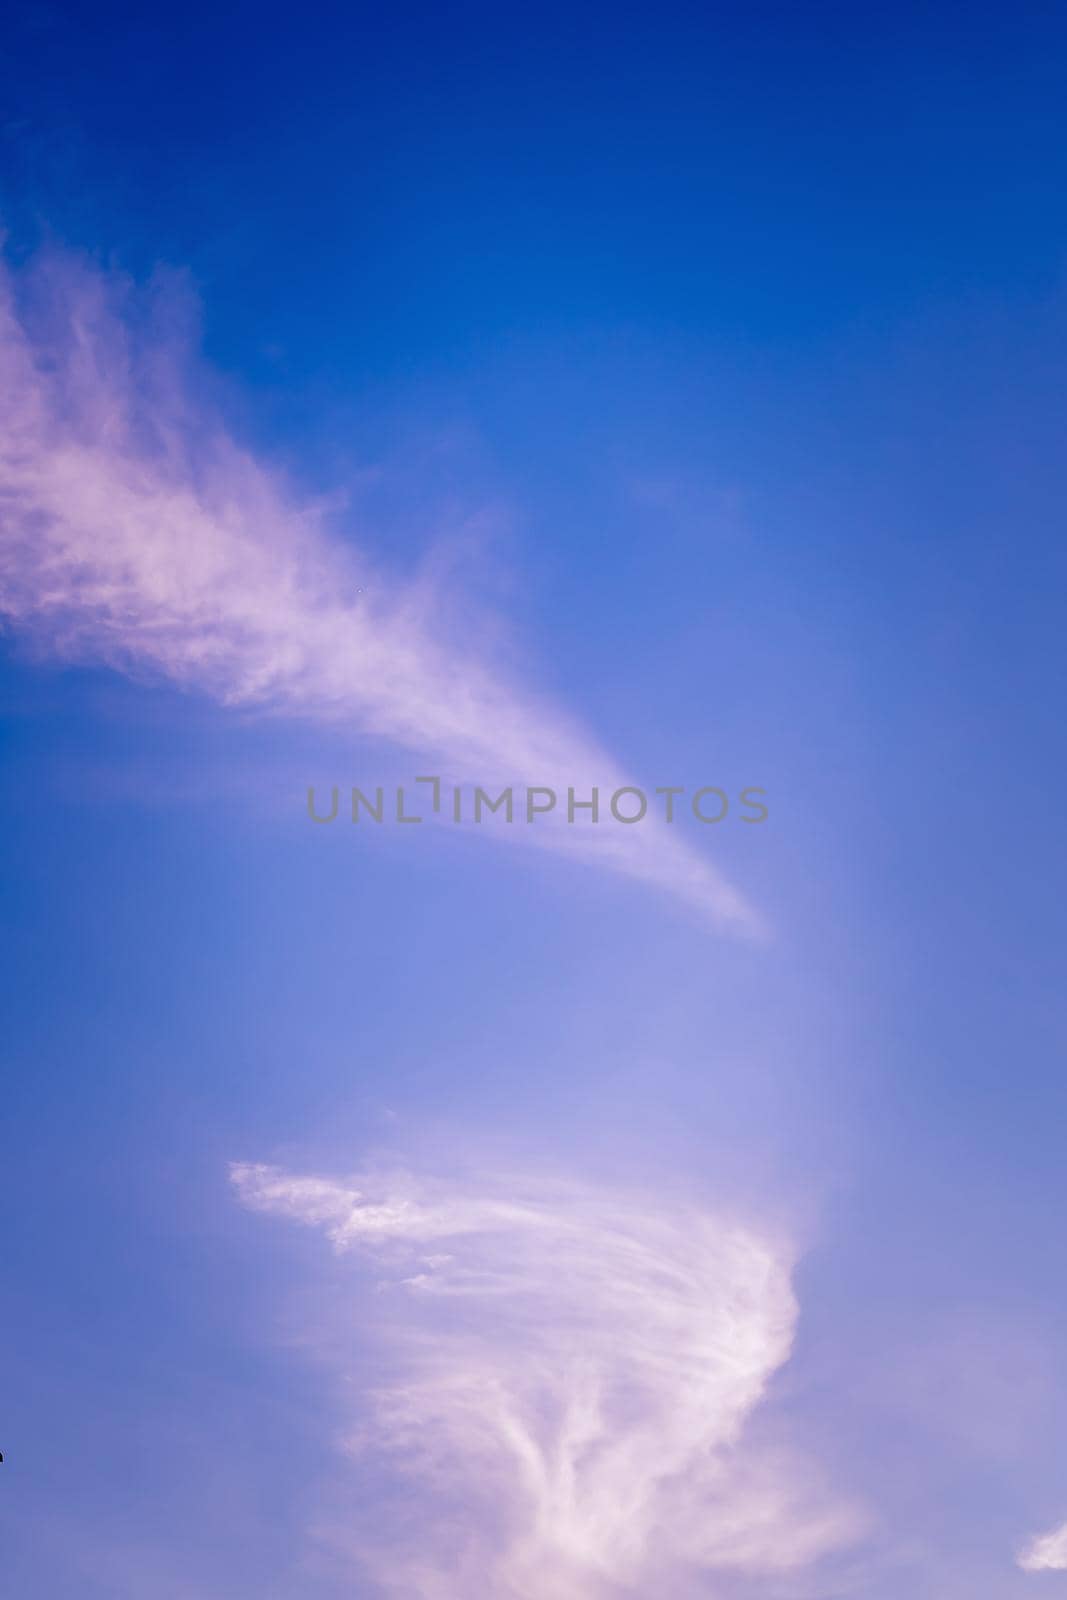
{"x":134,"y":531}
{"x":1046,"y":1554}
{"x":562,"y":1385}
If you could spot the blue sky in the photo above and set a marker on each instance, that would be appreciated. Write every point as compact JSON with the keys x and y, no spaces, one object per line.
{"x":671,"y":397}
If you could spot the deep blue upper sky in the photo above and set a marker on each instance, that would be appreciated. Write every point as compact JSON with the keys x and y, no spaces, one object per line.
{"x":373,"y":189}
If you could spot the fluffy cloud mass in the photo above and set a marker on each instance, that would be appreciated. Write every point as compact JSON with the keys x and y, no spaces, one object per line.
{"x":1046,"y":1554}
{"x":562,"y":1385}
{"x":136,"y":532}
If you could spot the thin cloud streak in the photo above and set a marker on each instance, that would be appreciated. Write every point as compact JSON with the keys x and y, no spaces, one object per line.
{"x":134,"y":531}
{"x":561,"y":1394}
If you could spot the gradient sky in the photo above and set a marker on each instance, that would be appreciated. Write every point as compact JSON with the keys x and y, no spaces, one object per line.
{"x":666,"y":396}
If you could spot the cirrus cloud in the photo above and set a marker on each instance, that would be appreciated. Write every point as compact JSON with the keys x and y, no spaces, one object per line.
{"x":136,"y":532}
{"x":563,"y":1382}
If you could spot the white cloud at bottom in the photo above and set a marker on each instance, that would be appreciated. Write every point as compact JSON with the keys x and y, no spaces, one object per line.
{"x":1047,"y":1553}
{"x":563,"y":1378}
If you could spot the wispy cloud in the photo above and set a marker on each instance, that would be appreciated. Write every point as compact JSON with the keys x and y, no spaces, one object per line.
{"x":136,"y":532}
{"x":561,"y":1392}
{"x":1047,"y":1553}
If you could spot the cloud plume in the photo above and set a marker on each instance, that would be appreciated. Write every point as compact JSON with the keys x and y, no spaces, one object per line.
{"x":135,"y":532}
{"x":562,"y":1387}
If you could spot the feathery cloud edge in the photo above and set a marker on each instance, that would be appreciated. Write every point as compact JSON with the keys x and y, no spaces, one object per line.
{"x":135,"y":532}
{"x":563,"y":1383}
